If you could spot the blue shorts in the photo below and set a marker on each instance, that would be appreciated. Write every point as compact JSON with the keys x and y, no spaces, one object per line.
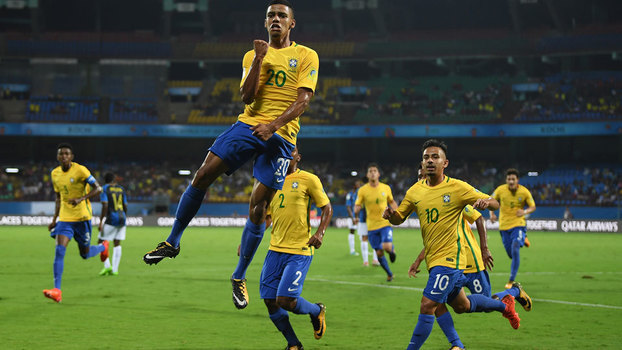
{"x":283,"y":275}
{"x":79,"y":230}
{"x":444,"y":284}
{"x":478,"y":283}
{"x":237,"y":146}
{"x":518,"y":233}
{"x":379,"y":236}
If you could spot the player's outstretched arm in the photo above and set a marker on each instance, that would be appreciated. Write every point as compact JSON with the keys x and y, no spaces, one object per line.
{"x":265,"y":131}
{"x":488,"y":203}
{"x":250,"y":87}
{"x":483,"y":242}
{"x":414,"y":268}
{"x":316,"y":239}
{"x":493,"y":217}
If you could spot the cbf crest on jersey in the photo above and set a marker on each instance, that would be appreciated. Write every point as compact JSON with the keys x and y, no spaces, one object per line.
{"x":293,"y":64}
{"x":295,"y":185}
{"x":446,"y":198}
{"x":72,"y":180}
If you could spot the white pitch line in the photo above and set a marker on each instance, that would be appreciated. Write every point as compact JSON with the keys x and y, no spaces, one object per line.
{"x":421,"y":290}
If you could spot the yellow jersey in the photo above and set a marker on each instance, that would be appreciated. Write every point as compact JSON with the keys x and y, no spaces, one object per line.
{"x":72,"y":184}
{"x":375,"y":200}
{"x":289,"y":209}
{"x":510,"y":202}
{"x":442,"y":224}
{"x":283,"y":71}
{"x":474,"y":262}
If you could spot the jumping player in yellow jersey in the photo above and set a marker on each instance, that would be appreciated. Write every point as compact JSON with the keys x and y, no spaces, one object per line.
{"x":73,"y":211}
{"x":439,"y":202}
{"x":479,"y":260}
{"x":513,"y":199}
{"x":375,"y":197}
{"x":278,"y":81}
{"x":291,"y":250}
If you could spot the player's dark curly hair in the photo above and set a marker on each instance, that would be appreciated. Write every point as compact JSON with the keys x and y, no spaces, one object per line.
{"x":108,"y":178}
{"x":511,"y":171}
{"x":434,"y":143}
{"x":282,"y":2}
{"x":64,"y":145}
{"x":373,"y":165}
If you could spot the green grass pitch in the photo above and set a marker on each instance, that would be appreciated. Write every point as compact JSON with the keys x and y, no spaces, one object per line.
{"x":185,"y":303}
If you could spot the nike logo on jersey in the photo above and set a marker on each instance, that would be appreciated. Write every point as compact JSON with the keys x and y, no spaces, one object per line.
{"x":292,"y":290}
{"x":436,"y":293}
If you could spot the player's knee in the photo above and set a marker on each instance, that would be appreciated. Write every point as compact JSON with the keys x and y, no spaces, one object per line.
{"x":461,"y":308}
{"x":271,"y":305}
{"x":427,"y":307}
{"x":286,"y":303}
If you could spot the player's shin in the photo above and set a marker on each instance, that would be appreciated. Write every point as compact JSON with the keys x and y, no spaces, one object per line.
{"x":188,"y":207}
{"x":422,"y":331}
{"x":281,"y":320}
{"x":251,"y":238}
{"x":482,"y":303}
{"x":59,"y":264}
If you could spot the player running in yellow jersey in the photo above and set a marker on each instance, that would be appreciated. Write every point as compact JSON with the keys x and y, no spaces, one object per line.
{"x":71,"y":183}
{"x":291,"y":250}
{"x":278,"y":81}
{"x":479,"y":260}
{"x":375,"y":196}
{"x":439,"y":202}
{"x":513,"y":199}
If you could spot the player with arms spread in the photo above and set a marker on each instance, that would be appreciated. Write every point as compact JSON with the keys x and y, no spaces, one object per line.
{"x":73,"y":210}
{"x":513,"y":198}
{"x":112,"y":225}
{"x":439,"y":202}
{"x":375,"y":196}
{"x":291,"y":250}
{"x":278,"y":80}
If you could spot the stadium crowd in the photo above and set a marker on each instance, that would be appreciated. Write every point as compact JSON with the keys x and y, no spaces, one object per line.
{"x":150,"y":182}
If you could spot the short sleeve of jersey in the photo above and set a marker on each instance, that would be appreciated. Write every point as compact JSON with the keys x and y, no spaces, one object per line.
{"x":359,"y":197}
{"x":529,"y":200}
{"x":389,"y":195}
{"x":310,"y":70}
{"x":316,"y":192}
{"x":469,"y":194}
{"x":408,"y":203}
{"x":471,"y":214}
{"x":246,"y":65}
{"x":103,"y":197}
{"x":84,"y":174}
{"x":54,"y":184}
{"x":496,"y":195}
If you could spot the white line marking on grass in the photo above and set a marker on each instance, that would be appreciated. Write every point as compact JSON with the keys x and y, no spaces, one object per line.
{"x":421,"y":290}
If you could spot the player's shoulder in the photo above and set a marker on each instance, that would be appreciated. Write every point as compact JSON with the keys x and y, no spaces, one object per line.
{"x":307,"y":175}
{"x":304,"y":48}
{"x":502,"y":188}
{"x":523,"y":188}
{"x":457,"y":182}
{"x":56,"y":170}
